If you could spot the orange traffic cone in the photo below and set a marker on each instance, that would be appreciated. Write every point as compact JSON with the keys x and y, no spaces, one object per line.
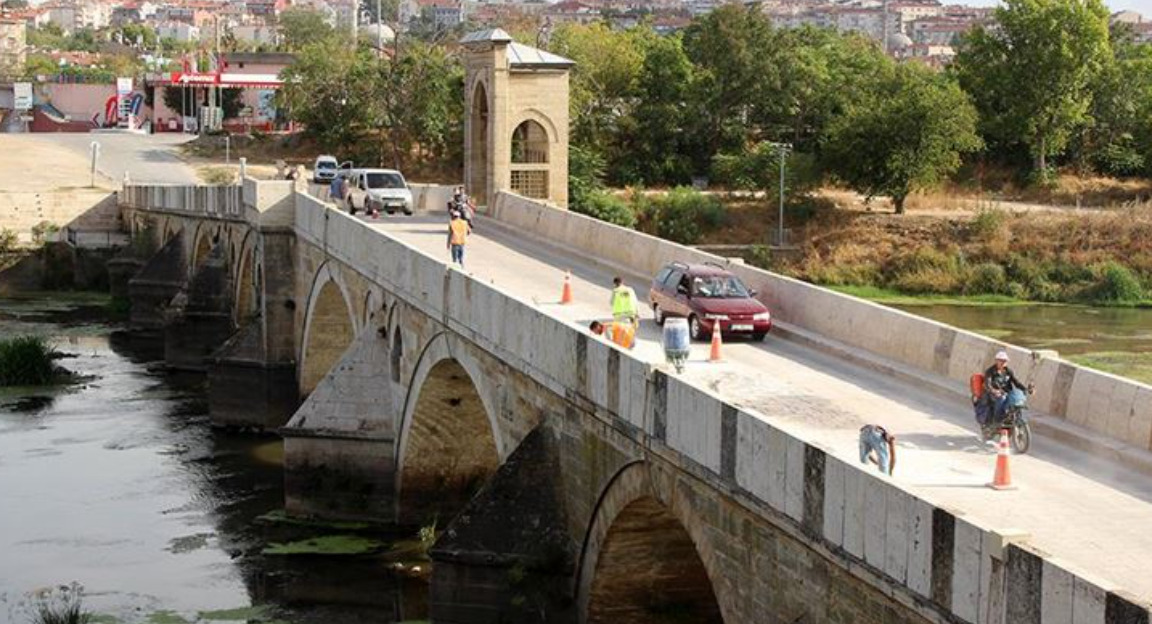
{"x":566,"y":295}
{"x":716,"y":342}
{"x":1002,"y":480}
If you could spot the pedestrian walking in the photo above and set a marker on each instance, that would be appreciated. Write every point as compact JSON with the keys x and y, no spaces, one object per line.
{"x":334,"y":190}
{"x":458,"y":231}
{"x":877,"y":446}
{"x":345,"y":191}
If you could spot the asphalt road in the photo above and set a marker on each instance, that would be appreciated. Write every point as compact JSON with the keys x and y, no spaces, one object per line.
{"x":1092,"y":514}
{"x":146,"y":158}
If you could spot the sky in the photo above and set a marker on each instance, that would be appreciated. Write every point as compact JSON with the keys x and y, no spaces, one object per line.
{"x":1143,"y":6}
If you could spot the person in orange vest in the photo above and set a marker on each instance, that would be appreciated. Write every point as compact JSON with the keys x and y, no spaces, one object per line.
{"x":621,"y":333}
{"x":458,"y":231}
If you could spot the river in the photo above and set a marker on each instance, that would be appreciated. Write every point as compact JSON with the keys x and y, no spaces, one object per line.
{"x":1118,"y":340}
{"x":120,"y":484}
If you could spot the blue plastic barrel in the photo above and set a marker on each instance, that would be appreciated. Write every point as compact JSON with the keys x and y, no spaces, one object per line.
{"x":676,"y":337}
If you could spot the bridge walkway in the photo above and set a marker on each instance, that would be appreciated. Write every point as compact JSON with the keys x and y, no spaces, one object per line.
{"x":1092,"y":513}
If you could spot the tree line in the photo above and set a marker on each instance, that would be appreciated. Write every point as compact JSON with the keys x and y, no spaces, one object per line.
{"x":1048,"y":84}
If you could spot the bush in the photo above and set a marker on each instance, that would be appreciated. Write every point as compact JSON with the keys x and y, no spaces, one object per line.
{"x":1120,"y":159}
{"x":684,"y":214}
{"x":26,"y":361}
{"x":8,"y":241}
{"x":585,"y":174}
{"x":606,"y":207}
{"x":988,"y":224}
{"x":1115,"y":283}
{"x":927,"y":270}
{"x":987,"y":279}
{"x":42,"y":231}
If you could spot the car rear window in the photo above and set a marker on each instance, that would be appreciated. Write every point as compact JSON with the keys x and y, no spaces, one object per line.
{"x":662,"y":276}
{"x":385,"y":181}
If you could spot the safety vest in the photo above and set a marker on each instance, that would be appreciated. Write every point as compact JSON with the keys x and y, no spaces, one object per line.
{"x":623,"y":302}
{"x":459,"y":231}
{"x":623,"y":334}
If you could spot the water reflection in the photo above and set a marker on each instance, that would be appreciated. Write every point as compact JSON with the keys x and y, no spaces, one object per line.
{"x":120,"y":483}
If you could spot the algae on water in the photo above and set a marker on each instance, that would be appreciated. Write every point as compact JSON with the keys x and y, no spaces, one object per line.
{"x":328,"y":545}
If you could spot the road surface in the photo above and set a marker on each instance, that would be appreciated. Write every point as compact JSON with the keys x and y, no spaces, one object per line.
{"x":1091,"y":513}
{"x":35,"y":162}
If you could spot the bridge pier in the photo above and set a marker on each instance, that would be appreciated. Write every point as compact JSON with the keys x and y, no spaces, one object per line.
{"x":508,"y":556}
{"x":199,"y":320}
{"x":340,"y":446}
{"x":152,"y":289}
{"x":247,"y":391}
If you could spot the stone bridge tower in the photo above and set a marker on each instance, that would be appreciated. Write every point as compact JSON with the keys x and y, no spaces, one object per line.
{"x":516,"y":122}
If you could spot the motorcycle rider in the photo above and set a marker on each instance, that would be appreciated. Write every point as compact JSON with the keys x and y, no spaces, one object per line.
{"x":999,"y":380}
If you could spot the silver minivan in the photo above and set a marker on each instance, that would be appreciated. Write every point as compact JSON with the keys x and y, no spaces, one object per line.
{"x":324,"y":169}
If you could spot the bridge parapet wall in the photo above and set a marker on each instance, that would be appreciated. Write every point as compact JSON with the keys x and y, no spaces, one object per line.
{"x":1112,"y":406}
{"x":924,"y":557}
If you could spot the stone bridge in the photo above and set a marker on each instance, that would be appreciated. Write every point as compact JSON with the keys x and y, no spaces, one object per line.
{"x":577,"y":482}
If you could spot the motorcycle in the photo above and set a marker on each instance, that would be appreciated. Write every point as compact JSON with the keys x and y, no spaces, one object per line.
{"x":1015,"y":419}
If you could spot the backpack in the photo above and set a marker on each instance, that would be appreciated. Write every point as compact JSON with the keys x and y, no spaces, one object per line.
{"x":976,"y":386}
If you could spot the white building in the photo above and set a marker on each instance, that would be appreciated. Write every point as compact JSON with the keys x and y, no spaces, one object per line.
{"x":178,"y":31}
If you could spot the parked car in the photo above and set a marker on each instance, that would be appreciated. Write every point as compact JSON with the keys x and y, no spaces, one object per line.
{"x":324,"y":170}
{"x":379,"y":189}
{"x":709,"y":297}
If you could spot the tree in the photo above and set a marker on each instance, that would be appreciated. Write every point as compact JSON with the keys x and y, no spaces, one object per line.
{"x":329,"y":88}
{"x":608,"y":63}
{"x":730,"y":48}
{"x":300,"y":28}
{"x":1118,"y":139}
{"x":1030,"y":74}
{"x":14,"y":5}
{"x":909,"y":135}
{"x":658,"y":150}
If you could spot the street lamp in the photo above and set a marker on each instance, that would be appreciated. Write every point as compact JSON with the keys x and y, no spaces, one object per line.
{"x":782,"y":150}
{"x":95,"y":149}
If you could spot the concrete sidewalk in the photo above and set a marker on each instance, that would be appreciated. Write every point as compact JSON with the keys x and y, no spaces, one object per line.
{"x":1090,"y":512}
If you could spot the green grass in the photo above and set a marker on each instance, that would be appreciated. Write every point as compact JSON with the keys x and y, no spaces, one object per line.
{"x":26,"y":361}
{"x":894,"y":297}
{"x":327,"y":545}
{"x":1137,"y":366}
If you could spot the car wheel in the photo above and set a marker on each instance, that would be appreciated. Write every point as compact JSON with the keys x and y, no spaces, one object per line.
{"x":657,"y":315}
{"x":759,"y":336}
{"x":695,"y":328}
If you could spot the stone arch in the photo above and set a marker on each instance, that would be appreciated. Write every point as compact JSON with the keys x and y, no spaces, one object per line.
{"x":530,"y":147}
{"x":329,"y":327}
{"x":373,"y":302}
{"x":246,"y":299}
{"x":478,"y":111}
{"x":538,"y":116}
{"x":202,"y":246}
{"x":641,"y":563}
{"x":449,"y":443}
{"x":530,"y":143}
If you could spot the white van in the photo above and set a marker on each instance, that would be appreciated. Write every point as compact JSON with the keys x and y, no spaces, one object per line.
{"x":378,"y":189}
{"x":324,"y":169}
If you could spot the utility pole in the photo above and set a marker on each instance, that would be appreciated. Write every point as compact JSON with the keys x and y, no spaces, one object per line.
{"x":782,"y":153}
{"x":379,"y":31}
{"x":884,"y":27}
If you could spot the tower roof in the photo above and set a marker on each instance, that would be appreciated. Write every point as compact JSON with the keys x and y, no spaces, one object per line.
{"x":492,"y":35}
{"x":520,"y":55}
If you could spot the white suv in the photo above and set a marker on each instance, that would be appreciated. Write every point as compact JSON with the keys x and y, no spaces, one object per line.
{"x":378,"y":189}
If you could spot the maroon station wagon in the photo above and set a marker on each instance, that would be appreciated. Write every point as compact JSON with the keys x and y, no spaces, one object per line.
{"x":708,"y":296}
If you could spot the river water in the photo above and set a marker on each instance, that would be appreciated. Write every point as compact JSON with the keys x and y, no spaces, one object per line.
{"x":120,"y":484}
{"x":1118,"y":340}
